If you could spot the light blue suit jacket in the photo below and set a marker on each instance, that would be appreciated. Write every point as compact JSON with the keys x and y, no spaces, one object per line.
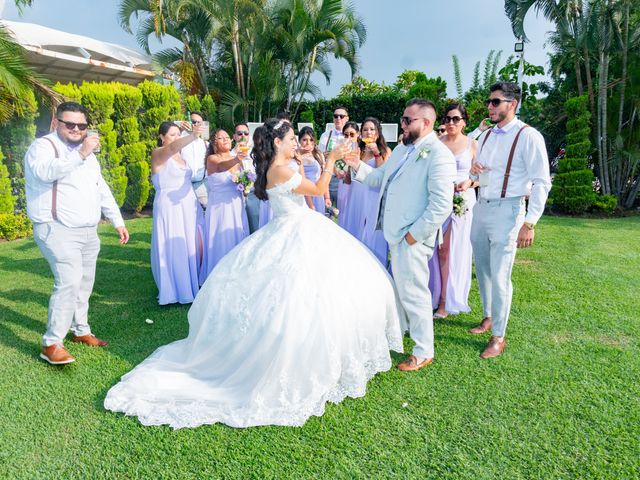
{"x":420,"y":196}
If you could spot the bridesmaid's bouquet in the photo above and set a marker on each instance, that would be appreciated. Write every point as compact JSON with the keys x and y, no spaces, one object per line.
{"x":459,"y":205}
{"x":244,"y":180}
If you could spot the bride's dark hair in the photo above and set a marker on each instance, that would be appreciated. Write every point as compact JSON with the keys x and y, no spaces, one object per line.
{"x":264,"y":151}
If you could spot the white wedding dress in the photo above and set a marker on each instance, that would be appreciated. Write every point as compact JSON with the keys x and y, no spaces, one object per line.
{"x":297,"y":315}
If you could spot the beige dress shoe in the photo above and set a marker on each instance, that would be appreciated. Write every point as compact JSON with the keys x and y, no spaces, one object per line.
{"x":411,"y":364}
{"x":90,"y":340}
{"x":56,"y":355}
{"x":494,"y":348}
{"x":485,"y":326}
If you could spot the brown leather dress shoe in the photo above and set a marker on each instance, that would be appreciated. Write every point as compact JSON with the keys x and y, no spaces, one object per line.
{"x":56,"y":355}
{"x":494,"y":348}
{"x":411,"y":364}
{"x":90,"y":340}
{"x":485,"y":326}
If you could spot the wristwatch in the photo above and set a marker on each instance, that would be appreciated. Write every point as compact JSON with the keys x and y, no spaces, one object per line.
{"x":529,"y":225}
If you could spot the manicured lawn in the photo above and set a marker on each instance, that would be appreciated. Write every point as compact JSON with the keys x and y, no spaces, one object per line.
{"x":563,"y":402}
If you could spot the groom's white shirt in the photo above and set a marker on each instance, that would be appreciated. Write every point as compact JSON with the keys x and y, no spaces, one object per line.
{"x":420,"y":195}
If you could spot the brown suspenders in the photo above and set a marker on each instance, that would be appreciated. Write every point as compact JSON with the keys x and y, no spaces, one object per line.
{"x":507,"y":171}
{"x":54,"y":189}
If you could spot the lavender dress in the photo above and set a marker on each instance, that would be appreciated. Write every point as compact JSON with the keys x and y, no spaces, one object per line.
{"x":312,"y":171}
{"x":459,"y":282}
{"x":226,"y":223}
{"x":175,"y":235}
{"x":344,"y":190}
{"x":354,"y":216}
{"x":372,"y":238}
{"x":266,"y":213}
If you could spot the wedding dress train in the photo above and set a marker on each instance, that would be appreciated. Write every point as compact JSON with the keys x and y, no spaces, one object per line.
{"x":297,"y":315}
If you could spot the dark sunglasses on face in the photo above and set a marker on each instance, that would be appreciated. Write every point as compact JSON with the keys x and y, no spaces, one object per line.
{"x":407,"y":120}
{"x":70,"y":125}
{"x":242,"y":133}
{"x":196,"y":122}
{"x":495,"y":102}
{"x":339,"y":115}
{"x":454,"y":119}
{"x":351,"y":134}
{"x":441,"y":130}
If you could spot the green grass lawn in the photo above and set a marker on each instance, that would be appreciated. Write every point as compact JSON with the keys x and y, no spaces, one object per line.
{"x":562,"y":402}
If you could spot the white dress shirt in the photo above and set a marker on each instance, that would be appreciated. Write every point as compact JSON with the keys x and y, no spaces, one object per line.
{"x":529,"y":174}
{"x":194,"y":155}
{"x":324,"y":138}
{"x":82,"y":193}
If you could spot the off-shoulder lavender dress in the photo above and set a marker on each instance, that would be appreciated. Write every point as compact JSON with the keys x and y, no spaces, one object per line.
{"x":226,"y":223}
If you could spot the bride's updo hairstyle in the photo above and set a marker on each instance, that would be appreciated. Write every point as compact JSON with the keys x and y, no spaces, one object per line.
{"x":264,"y":151}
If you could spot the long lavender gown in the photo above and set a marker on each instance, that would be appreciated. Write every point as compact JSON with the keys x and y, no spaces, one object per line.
{"x":312,"y":171}
{"x":460,"y":253}
{"x":344,"y":190}
{"x":354,"y":216}
{"x":372,"y":238}
{"x":175,"y":235}
{"x":226,"y":223}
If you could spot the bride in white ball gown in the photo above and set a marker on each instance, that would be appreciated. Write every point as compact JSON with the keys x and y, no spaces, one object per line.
{"x":297,"y":315}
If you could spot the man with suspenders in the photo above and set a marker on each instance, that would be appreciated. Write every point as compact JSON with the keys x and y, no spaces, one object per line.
{"x":511,"y":165}
{"x":66,"y":195}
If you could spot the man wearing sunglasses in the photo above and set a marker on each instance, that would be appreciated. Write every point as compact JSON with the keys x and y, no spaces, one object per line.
{"x":416,"y":197}
{"x":511,"y":165}
{"x":66,"y":195}
{"x":194,"y":155}
{"x":328,"y":140}
{"x":252,"y":205}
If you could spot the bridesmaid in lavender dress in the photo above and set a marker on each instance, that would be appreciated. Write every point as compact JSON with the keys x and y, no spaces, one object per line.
{"x":450,"y":268}
{"x":313,"y":164}
{"x":374,"y":153}
{"x":176,"y":236}
{"x":226,"y":223}
{"x":345,"y":187}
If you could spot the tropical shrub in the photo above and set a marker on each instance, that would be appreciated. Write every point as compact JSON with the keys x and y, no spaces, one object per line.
{"x":7,"y":201}
{"x":606,"y":204}
{"x":14,"y":226}
{"x":15,"y":137}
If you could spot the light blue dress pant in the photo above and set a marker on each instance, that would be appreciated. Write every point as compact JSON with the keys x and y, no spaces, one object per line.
{"x":410,"y":267}
{"x":494,"y":233}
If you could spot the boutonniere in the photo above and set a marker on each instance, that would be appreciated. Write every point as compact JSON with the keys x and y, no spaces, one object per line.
{"x":424,"y":152}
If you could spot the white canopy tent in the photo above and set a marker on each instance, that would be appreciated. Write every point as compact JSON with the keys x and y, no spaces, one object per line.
{"x":66,"y":57}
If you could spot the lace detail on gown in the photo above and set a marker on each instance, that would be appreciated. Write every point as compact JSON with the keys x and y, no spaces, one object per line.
{"x":269,"y":343}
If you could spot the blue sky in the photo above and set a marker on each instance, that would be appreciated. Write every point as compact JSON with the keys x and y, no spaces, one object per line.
{"x":402,"y":34}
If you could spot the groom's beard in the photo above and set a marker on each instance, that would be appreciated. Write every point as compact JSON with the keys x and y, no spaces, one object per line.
{"x":409,"y":138}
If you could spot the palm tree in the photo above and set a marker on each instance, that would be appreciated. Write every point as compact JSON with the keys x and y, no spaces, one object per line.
{"x":16,"y":77}
{"x":306,"y":33}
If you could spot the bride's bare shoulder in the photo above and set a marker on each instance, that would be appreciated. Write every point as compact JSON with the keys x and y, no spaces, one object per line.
{"x":278,"y":174}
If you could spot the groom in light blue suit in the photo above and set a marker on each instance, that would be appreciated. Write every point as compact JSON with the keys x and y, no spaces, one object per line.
{"x":416,"y":196}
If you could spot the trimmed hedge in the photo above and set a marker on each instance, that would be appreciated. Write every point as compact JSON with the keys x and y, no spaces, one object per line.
{"x":572,"y":189}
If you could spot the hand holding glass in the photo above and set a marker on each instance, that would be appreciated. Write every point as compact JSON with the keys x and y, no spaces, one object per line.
{"x":91,"y":132}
